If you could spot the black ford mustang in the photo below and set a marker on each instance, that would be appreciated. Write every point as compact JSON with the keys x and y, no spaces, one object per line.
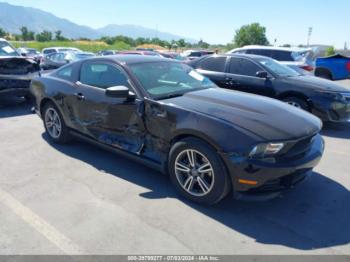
{"x":264,"y":76}
{"x":160,"y":112}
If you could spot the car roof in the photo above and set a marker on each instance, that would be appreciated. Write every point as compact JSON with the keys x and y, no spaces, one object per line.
{"x":238,"y":56}
{"x":131,"y":59}
{"x":61,"y":47}
{"x":290,"y":49}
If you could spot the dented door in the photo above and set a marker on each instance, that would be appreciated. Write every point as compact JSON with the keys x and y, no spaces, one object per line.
{"x":113,"y":121}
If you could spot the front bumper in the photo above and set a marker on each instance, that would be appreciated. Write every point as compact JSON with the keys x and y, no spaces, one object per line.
{"x":278,"y":175}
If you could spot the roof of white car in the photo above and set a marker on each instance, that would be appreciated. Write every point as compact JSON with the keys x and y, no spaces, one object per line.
{"x":2,"y":39}
{"x":61,"y":47}
{"x":292,"y":49}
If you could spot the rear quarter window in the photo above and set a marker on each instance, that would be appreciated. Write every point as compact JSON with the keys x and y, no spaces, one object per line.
{"x":282,"y":55}
{"x":49,"y":51}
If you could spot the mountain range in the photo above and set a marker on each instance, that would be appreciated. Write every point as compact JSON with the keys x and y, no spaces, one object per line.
{"x":13,"y":17}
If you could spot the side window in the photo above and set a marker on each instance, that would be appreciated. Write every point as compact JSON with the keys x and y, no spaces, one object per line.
{"x":240,"y":52}
{"x":241,"y":66}
{"x":55,"y":57}
{"x":248,"y":68}
{"x":196,"y":54}
{"x":214,"y":63}
{"x":102,"y":75}
{"x":65,"y":73}
{"x":262,"y":52}
{"x":51,"y":57}
{"x":282,"y":55}
{"x":234,"y":66}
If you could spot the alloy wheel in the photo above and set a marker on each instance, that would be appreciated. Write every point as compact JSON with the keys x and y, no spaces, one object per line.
{"x":295,"y":104}
{"x":53,"y":123}
{"x":194,"y":172}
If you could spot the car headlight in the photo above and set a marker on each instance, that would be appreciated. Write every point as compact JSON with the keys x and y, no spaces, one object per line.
{"x":266,"y":150}
{"x":337,"y":95}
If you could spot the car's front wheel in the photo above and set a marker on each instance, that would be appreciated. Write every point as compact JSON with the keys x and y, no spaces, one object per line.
{"x":54,"y":124}
{"x":297,"y":102}
{"x":198,"y":172}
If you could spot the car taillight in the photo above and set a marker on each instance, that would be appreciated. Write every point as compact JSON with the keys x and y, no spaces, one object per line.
{"x":348,"y":66}
{"x":307,"y":67}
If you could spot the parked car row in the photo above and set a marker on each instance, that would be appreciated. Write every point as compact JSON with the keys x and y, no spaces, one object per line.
{"x":265,"y":76}
{"x":56,"y":60}
{"x":336,"y":67}
{"x":213,"y":123}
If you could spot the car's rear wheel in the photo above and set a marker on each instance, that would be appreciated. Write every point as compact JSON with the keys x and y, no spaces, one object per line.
{"x":198,"y":172}
{"x":54,"y":124}
{"x":297,"y":102}
{"x":323,"y":73}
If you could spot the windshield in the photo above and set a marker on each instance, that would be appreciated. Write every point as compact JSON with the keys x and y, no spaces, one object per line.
{"x":277,"y":68}
{"x":163,"y":80}
{"x":7,"y":50}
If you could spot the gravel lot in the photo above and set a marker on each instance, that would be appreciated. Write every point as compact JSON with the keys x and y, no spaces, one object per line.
{"x":79,"y":199}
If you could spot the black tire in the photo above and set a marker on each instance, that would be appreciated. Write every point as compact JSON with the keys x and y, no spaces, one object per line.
{"x":64,"y":135}
{"x":297,"y":102}
{"x":325,"y":74}
{"x":221,"y":181}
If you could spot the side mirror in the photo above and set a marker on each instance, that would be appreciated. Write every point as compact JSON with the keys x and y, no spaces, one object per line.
{"x":262,"y":74}
{"x":117,"y":92}
{"x":23,"y":54}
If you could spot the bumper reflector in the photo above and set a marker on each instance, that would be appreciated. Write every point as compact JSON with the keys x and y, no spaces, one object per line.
{"x":248,"y":182}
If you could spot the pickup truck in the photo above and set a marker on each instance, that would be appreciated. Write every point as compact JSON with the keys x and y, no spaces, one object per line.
{"x":335,"y":67}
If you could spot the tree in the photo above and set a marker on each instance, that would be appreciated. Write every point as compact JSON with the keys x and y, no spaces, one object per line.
{"x":330,"y":51}
{"x":24,"y":33}
{"x":27,"y":35}
{"x":202,"y":44}
{"x":181,"y":43}
{"x":44,"y":36}
{"x":59,"y":37}
{"x":2,"y":33}
{"x":253,"y":34}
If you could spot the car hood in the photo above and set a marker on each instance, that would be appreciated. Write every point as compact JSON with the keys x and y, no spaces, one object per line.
{"x":267,"y":118}
{"x":316,"y":83}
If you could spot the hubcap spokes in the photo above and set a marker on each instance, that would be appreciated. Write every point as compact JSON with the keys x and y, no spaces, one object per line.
{"x":194,"y":172}
{"x":53,"y":123}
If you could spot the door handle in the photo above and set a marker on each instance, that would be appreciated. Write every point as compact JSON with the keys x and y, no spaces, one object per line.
{"x":231,"y":81}
{"x":80,"y":96}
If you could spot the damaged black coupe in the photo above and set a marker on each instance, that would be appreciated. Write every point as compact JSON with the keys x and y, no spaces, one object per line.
{"x":16,"y":71}
{"x":162,"y":113}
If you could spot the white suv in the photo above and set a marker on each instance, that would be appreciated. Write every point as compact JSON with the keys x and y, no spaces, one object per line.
{"x":51,"y":50}
{"x":292,"y":57}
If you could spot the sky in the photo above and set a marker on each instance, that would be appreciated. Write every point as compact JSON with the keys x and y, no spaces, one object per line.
{"x":214,"y":21}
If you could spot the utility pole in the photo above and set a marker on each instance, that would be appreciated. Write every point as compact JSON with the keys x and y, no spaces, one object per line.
{"x":309,"y":36}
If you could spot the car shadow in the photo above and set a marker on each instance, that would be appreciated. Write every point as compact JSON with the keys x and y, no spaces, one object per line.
{"x":314,"y":215}
{"x":11,"y":106}
{"x":336,"y":130}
